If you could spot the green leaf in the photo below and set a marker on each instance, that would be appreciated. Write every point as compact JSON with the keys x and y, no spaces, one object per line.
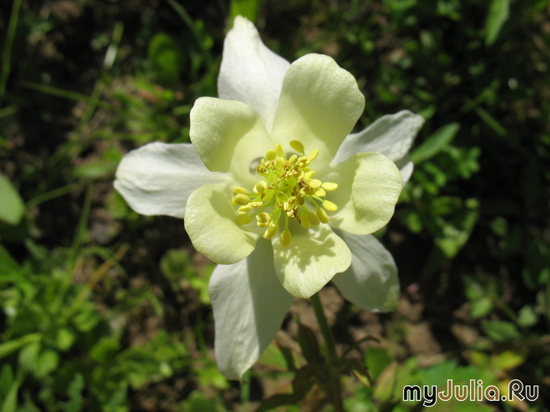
{"x":481,"y":307}
{"x":29,"y":355}
{"x":167,"y":58}
{"x":10,"y":401}
{"x":74,"y":391}
{"x":435,"y":143}
{"x":500,"y":331}
{"x":273,"y":358}
{"x":309,"y":345}
{"x":105,"y":349}
{"x":499,"y":11}
{"x":507,"y":360}
{"x":64,"y":338}
{"x":12,"y":345}
{"x":245,"y":8}
{"x":536,"y":271}
{"x":8,"y":264}
{"x":457,"y":230}
{"x":438,"y":373}
{"x":11,"y":205}
{"x":377,"y":359}
{"x":95,"y":169}
{"x":199,"y":402}
{"x":527,"y":316}
{"x":6,"y":380}
{"x":48,"y":361}
{"x":302,"y":383}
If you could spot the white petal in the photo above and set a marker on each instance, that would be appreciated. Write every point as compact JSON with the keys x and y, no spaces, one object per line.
{"x":369,"y":185}
{"x":313,"y":257}
{"x":319,"y":105}
{"x":406,"y":167}
{"x":249,"y":307}
{"x":157,"y":178}
{"x":210,"y":223}
{"x":392,"y":135}
{"x":250,"y":72}
{"x":371,"y":281}
{"x":229,"y":136}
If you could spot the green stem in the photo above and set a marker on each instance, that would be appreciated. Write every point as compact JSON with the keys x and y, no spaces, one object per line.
{"x":332,"y":357}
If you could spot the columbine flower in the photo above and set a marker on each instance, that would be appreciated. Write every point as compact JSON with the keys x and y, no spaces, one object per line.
{"x":275,"y":193}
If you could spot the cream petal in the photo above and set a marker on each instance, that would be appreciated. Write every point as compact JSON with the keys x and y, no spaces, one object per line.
{"x":249,"y":307}
{"x":229,"y":136}
{"x":319,"y":105}
{"x":313,"y":257}
{"x":250,"y":72}
{"x":371,"y":281}
{"x":369,"y":185}
{"x":392,"y":135}
{"x":210,"y":223}
{"x":157,"y":178}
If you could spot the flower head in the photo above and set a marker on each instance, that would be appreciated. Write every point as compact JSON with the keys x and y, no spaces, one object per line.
{"x":277,"y":192}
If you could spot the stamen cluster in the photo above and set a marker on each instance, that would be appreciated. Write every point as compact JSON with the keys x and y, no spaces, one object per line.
{"x":288,"y":191}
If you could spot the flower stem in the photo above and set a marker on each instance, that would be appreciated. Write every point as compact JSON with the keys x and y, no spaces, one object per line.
{"x":332,"y":357}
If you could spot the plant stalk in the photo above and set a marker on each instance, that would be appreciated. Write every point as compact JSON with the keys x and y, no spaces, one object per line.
{"x":332,"y":357}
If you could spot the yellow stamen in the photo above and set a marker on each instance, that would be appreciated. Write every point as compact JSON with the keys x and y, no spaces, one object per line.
{"x":329,"y":186}
{"x":313,"y":219}
{"x":296,"y":145}
{"x":286,"y":237}
{"x":242,"y":199}
{"x":313,"y":155}
{"x":315,"y":183}
{"x":239,"y":190}
{"x":243,"y":219}
{"x":288,"y":190}
{"x":331,"y":207}
{"x":322,"y":215}
{"x":271,"y":230}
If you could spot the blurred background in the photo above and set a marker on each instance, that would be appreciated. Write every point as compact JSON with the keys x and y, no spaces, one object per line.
{"x":107,"y":310}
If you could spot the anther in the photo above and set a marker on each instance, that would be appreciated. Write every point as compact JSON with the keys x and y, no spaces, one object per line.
{"x":239,"y":190}
{"x":296,"y":145}
{"x":322,"y":215}
{"x":242,"y":199}
{"x":331,"y":207}
{"x":329,"y":186}
{"x":243,"y":219}
{"x":271,"y":230}
{"x":285,"y":237}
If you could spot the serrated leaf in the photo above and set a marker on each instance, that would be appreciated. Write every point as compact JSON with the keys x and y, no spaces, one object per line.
{"x":302,"y":383}
{"x":435,"y":143}
{"x":309,"y":345}
{"x":11,"y":204}
{"x":499,"y":11}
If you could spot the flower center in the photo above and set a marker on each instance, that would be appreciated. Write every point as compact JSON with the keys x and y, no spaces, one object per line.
{"x":287,"y":192}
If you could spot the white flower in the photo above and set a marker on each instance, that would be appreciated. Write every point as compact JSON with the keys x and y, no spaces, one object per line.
{"x":275,"y":193}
